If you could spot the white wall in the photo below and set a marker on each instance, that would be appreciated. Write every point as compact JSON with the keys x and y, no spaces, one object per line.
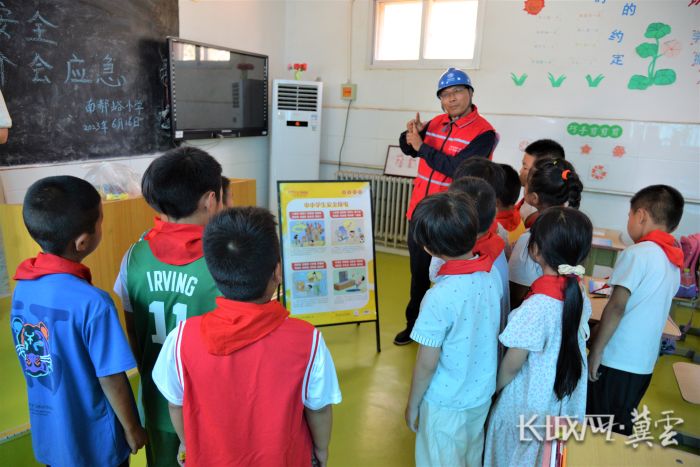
{"x":250,"y":25}
{"x":317,"y":32}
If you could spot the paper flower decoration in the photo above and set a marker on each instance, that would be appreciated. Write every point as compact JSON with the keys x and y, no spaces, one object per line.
{"x":598,"y":172}
{"x":298,"y":69}
{"x":671,"y":48}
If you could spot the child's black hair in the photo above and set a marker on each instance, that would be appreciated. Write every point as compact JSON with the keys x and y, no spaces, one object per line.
{"x":663,"y":203}
{"x":556,"y":183}
{"x":446,"y":224}
{"x":511,"y":186}
{"x":545,"y":148}
{"x":175,"y":182}
{"x":59,"y":209}
{"x":483,"y":196}
{"x":225,"y":189}
{"x":241,"y":250}
{"x":481,"y":167}
{"x":563,"y":236}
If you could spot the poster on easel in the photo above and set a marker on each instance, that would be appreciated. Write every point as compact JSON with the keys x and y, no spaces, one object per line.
{"x":328,"y":251}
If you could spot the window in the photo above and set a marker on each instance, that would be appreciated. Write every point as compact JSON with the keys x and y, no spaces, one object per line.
{"x":426,"y":33}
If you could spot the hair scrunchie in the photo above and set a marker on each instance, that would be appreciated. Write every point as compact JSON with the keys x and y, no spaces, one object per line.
{"x":568,"y":270}
{"x":565,"y":174}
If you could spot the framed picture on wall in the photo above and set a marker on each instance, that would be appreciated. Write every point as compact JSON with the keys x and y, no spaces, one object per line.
{"x":399,"y":164}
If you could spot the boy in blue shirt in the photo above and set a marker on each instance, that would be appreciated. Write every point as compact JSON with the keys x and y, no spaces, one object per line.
{"x":625,"y":344}
{"x":457,"y":329}
{"x":67,"y":335}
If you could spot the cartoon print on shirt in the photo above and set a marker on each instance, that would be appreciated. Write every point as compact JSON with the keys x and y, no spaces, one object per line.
{"x":33,"y":348}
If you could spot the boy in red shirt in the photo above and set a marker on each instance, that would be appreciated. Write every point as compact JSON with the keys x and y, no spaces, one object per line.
{"x":247,"y":384}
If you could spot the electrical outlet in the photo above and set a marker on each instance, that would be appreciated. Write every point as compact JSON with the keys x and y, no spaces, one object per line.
{"x":348,"y":91}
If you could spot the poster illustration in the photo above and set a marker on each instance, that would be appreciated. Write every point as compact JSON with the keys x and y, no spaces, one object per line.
{"x":328,"y":251}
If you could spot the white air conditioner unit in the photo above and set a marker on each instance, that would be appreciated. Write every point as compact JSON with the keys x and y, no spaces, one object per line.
{"x":295,"y":149}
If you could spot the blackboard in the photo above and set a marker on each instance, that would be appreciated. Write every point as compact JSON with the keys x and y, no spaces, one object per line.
{"x":84,"y":79}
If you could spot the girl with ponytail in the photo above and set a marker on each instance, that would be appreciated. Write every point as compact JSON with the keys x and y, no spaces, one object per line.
{"x":550,"y":182}
{"x":544,"y":371}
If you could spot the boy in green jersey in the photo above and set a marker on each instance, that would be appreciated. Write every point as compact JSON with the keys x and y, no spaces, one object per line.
{"x":163,"y":278}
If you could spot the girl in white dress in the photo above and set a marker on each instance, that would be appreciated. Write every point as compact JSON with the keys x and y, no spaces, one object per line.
{"x":544,"y":370}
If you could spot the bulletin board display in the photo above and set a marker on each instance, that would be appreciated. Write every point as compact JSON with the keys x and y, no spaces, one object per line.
{"x":614,"y":156}
{"x":610,"y":59}
{"x":328,"y":251}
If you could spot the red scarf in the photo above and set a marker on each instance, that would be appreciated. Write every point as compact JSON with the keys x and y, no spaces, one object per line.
{"x":466,"y":266}
{"x":490,"y":244}
{"x":668,"y":245}
{"x":509,"y":219}
{"x":531,"y":219}
{"x":46,"y":263}
{"x":175,"y":244}
{"x":233,"y":325}
{"x":551,"y":286}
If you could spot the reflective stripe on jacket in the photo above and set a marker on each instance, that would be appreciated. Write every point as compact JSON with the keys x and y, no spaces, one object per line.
{"x":449,"y":138}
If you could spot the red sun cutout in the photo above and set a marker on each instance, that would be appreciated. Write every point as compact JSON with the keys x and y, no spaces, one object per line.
{"x":598,"y":172}
{"x":523,"y":144}
{"x":618,"y":151}
{"x":586,"y":149}
{"x":533,"y":7}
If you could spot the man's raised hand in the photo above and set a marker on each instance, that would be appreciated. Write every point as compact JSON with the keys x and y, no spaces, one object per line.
{"x":418,"y":124}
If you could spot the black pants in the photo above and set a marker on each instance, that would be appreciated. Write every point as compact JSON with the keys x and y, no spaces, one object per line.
{"x":616,"y":393}
{"x":420,"y":280}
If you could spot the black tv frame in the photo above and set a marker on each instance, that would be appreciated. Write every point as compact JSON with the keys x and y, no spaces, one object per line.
{"x":210,"y":133}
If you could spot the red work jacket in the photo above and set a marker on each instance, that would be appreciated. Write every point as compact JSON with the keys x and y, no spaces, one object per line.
{"x":449,"y":138}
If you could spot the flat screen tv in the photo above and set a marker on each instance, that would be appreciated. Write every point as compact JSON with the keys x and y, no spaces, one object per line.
{"x":216,"y":91}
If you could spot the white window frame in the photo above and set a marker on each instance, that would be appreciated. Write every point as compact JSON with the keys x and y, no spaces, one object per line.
{"x":424,"y":63}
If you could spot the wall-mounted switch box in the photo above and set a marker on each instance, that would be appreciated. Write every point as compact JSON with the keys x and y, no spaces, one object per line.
{"x":348,"y":92}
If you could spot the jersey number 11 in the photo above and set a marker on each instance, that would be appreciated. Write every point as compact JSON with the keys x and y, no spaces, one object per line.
{"x":158,"y":310}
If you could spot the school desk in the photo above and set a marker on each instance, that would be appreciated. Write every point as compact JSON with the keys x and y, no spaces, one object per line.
{"x":242,"y":192}
{"x":688,"y":377}
{"x":124,"y":222}
{"x":671,"y":329}
{"x":688,"y":329}
{"x":606,"y":244}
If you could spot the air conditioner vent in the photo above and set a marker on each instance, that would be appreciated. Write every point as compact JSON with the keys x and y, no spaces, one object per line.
{"x":297,"y":97}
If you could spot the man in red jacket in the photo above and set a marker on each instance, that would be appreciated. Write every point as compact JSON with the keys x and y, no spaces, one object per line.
{"x":441,"y":144}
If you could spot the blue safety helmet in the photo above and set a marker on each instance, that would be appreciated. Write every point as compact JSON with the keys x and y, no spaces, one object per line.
{"x":453,"y":77}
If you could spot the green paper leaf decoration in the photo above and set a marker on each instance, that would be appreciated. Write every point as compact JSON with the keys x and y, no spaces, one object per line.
{"x":518,"y":81}
{"x":594,"y":82}
{"x":556,"y":82}
{"x":639,"y":82}
{"x":664,"y":77}
{"x":657,"y":30}
{"x":647,"y":49}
